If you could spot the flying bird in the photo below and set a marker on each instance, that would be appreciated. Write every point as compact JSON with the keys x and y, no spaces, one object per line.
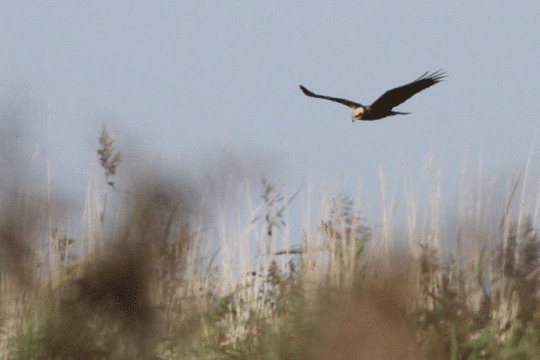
{"x":383,"y":106}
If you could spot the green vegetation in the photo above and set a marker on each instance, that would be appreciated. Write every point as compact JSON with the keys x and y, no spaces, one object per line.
{"x":145,"y":279}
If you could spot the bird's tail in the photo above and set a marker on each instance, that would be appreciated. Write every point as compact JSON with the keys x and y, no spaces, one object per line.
{"x":398,"y":113}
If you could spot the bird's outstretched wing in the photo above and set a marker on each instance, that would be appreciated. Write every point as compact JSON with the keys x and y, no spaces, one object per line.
{"x":350,"y":104}
{"x":399,"y":95}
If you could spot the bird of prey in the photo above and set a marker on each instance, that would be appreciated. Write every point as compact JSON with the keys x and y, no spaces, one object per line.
{"x":383,"y":106}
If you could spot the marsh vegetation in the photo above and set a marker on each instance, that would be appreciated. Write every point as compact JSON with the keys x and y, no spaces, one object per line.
{"x":146,"y":277}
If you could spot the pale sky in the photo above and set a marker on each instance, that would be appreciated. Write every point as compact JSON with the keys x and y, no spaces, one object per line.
{"x":210,"y":84}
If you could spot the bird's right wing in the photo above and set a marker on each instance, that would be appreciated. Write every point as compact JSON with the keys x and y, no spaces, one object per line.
{"x":399,"y":95}
{"x":350,"y":104}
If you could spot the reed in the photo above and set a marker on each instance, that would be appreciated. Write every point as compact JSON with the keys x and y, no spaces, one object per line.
{"x":150,"y":277}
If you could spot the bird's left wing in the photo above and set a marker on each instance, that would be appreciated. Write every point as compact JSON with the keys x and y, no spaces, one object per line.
{"x":349,"y":103}
{"x":399,"y":95}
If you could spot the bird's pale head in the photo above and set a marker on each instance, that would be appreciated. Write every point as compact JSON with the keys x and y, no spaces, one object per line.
{"x":358,"y":113}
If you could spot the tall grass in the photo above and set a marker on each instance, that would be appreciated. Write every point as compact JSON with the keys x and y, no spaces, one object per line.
{"x":150,"y":277}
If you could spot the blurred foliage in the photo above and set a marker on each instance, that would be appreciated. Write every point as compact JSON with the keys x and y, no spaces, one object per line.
{"x":141,"y":297}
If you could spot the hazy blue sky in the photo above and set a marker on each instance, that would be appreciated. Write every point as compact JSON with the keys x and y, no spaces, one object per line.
{"x":214,"y":84}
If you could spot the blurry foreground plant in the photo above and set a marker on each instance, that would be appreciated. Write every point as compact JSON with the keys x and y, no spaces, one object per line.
{"x":108,"y":161}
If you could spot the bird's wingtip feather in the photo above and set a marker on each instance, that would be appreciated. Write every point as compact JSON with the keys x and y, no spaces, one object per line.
{"x":305,"y":91}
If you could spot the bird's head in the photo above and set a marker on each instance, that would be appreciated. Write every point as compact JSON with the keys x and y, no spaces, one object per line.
{"x":358,"y":113}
